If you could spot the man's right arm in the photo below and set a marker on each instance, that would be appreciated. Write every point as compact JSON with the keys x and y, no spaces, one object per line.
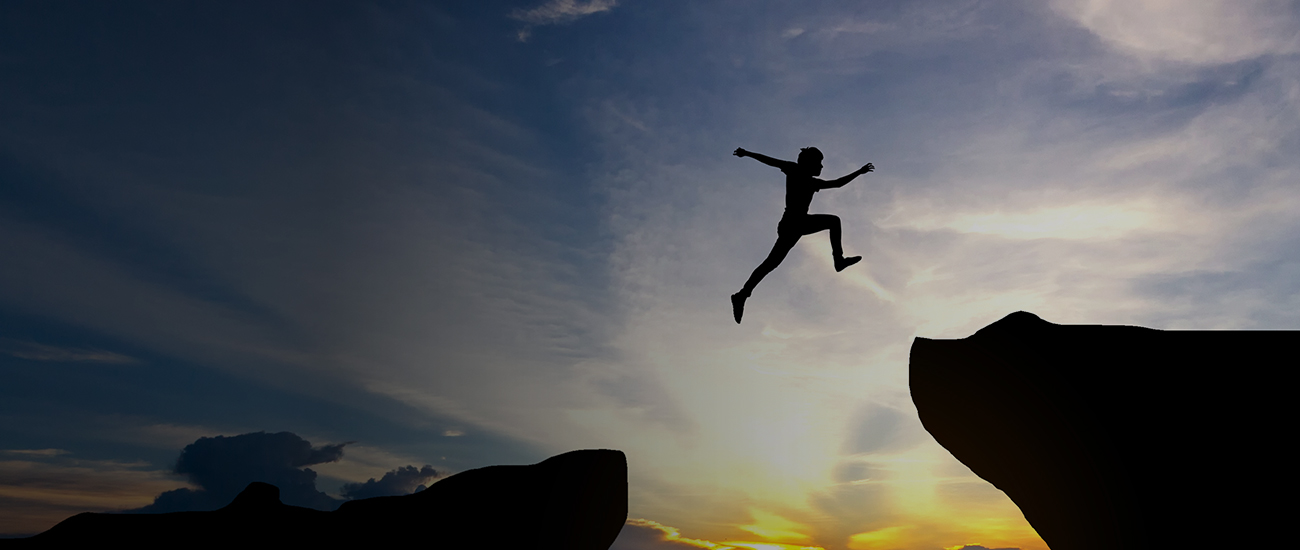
{"x":775,"y":163}
{"x":841,"y":182}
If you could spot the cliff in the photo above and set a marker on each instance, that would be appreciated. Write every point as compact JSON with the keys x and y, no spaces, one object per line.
{"x":1118,"y":437}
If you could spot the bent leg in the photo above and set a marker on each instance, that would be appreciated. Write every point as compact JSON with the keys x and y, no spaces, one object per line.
{"x":779,"y":250}
{"x":820,"y":222}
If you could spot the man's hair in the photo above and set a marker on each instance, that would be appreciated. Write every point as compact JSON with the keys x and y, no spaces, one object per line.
{"x":811,"y":153}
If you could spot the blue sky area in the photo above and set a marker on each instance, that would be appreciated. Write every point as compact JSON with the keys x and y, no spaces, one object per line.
{"x":459,"y":234}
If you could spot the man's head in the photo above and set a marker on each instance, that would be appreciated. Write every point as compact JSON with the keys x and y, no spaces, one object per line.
{"x":811,"y":159}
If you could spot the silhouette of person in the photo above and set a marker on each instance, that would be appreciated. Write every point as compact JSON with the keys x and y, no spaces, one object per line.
{"x":800,"y":183}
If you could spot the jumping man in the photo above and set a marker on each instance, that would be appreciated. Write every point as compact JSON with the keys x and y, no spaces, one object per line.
{"x":800,"y":184}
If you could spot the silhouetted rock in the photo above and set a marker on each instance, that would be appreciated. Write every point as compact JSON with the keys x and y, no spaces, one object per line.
{"x":1114,"y":437}
{"x":573,"y":501}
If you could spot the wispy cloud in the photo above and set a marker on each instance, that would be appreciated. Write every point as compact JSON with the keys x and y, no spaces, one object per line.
{"x":35,"y":453}
{"x":557,"y":12}
{"x":644,"y":534}
{"x":562,"y":11}
{"x":1215,"y":31}
{"x":33,"y":351}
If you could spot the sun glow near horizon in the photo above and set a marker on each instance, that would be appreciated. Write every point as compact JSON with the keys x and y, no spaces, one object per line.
{"x":796,"y":444}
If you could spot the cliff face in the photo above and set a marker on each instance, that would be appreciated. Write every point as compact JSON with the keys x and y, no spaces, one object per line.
{"x":573,"y":501}
{"x":1118,"y":436}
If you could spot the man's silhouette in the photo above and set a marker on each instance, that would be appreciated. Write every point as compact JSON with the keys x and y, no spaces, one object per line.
{"x":800,"y":184}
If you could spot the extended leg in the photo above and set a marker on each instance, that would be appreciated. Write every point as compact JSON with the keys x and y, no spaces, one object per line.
{"x":774,"y":258}
{"x":779,"y":250}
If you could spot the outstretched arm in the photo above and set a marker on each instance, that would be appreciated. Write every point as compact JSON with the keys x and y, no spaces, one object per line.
{"x":775,"y":163}
{"x":841,"y":182}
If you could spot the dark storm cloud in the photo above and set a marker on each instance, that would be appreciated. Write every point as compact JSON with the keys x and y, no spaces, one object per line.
{"x":223,"y":466}
{"x":402,"y":481}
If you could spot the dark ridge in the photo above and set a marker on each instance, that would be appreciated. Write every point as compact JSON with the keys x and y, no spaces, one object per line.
{"x":1119,"y":437}
{"x":573,"y":501}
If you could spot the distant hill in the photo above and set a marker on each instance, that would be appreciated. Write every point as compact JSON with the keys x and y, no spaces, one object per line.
{"x":573,"y":501}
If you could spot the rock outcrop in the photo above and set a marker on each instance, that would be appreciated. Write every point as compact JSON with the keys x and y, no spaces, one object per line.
{"x":573,"y":501}
{"x":1119,"y":437}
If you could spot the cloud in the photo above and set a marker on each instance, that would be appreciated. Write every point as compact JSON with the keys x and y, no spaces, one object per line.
{"x":562,"y":11}
{"x":35,"y":453}
{"x":221,"y":467}
{"x":1096,"y":220}
{"x":557,"y":12}
{"x":878,"y":538}
{"x":41,"y":352}
{"x":644,"y":534}
{"x":879,"y":428}
{"x":402,"y":481}
{"x":1215,"y":31}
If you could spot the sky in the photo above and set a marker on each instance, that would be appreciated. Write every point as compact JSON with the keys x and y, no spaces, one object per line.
{"x":380,"y":243}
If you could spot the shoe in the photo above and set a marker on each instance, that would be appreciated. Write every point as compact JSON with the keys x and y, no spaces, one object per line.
{"x":738,"y":306}
{"x":842,"y":263}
